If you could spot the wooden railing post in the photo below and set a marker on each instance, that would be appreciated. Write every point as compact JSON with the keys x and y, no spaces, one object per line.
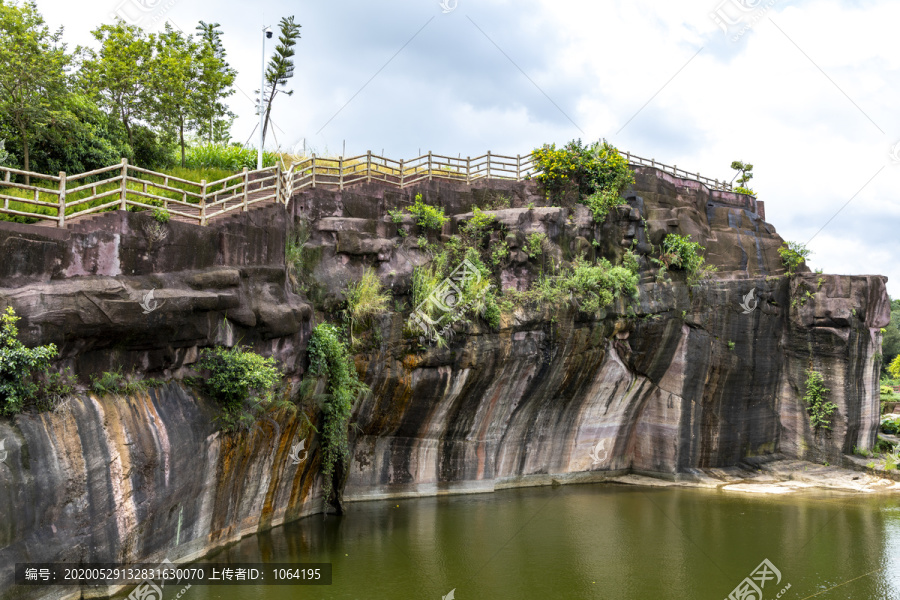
{"x":401,"y":172}
{"x":62,"y":200}
{"x":488,"y":164}
{"x":468,"y":169}
{"x":518,"y":167}
{"x":123,"y":205}
{"x":429,"y":165}
{"x":314,"y":170}
{"x":202,"y":202}
{"x":368,"y":166}
{"x":246,"y":194}
{"x":340,"y":173}
{"x":277,"y":183}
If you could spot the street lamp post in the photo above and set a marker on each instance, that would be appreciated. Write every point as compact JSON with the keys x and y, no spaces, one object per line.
{"x":267,"y":33}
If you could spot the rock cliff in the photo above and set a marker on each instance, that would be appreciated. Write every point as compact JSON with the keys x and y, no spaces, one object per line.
{"x":678,"y":380}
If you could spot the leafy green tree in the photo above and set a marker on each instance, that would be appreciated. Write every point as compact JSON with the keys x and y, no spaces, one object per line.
{"x":746,"y":170}
{"x":33,"y":64}
{"x":174,"y":79}
{"x":119,"y":73}
{"x":4,"y":155}
{"x":215,"y":79}
{"x":80,"y":138}
{"x":281,"y":65}
{"x":18,"y":364}
{"x":793,"y":254}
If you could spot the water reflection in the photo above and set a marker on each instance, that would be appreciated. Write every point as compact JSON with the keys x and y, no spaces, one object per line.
{"x":589,"y":541}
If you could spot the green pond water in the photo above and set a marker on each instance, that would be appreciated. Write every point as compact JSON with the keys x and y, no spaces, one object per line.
{"x":587,"y":541}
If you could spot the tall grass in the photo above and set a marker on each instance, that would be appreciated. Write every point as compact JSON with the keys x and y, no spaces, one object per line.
{"x":365,"y":299}
{"x":226,"y":158}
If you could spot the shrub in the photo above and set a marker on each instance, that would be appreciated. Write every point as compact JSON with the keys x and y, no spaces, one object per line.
{"x":743,"y":190}
{"x":792,"y":255}
{"x":599,"y":172}
{"x":534,"y":244}
{"x":53,"y":389}
{"x":427,"y":216}
{"x":894,"y":367}
{"x":329,"y":358}
{"x":18,"y":365}
{"x":890,"y":424}
{"x":820,"y":410}
{"x":161,"y":215}
{"x":678,"y":251}
{"x":241,"y":381}
{"x":592,"y":287}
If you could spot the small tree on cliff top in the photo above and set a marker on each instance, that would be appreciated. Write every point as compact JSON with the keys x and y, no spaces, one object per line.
{"x":17,"y":364}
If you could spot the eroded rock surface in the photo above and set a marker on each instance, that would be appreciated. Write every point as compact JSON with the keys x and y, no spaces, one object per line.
{"x":680,"y":380}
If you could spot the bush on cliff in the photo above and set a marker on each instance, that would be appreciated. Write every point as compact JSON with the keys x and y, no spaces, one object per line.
{"x":679,"y":252}
{"x":329,"y":358}
{"x":819,"y":409}
{"x":793,"y":254}
{"x":598,"y":171}
{"x":19,"y":365}
{"x":242,"y":381}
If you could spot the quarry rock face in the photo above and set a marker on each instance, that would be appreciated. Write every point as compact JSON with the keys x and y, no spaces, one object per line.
{"x":679,"y":379}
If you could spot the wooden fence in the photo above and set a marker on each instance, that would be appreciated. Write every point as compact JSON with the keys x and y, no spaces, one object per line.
{"x":54,"y":200}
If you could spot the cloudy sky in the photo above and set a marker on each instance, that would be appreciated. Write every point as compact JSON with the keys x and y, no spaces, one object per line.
{"x":806,"y":91}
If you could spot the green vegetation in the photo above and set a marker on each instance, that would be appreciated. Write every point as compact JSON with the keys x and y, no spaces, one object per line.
{"x":894,"y":367}
{"x":329,"y":358}
{"x":730,"y":345}
{"x":598,"y":172}
{"x":19,"y":365}
{"x":534,"y":244}
{"x":116,"y":382}
{"x":793,"y":254}
{"x":746,"y":170}
{"x":300,"y":261}
{"x":143,"y":96}
{"x":281,"y":66}
{"x":241,"y":381}
{"x":820,"y":410}
{"x":679,"y":252}
{"x":366,"y":298}
{"x":890,"y":424}
{"x":427,"y":217}
{"x":890,"y":343}
{"x":226,"y":159}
